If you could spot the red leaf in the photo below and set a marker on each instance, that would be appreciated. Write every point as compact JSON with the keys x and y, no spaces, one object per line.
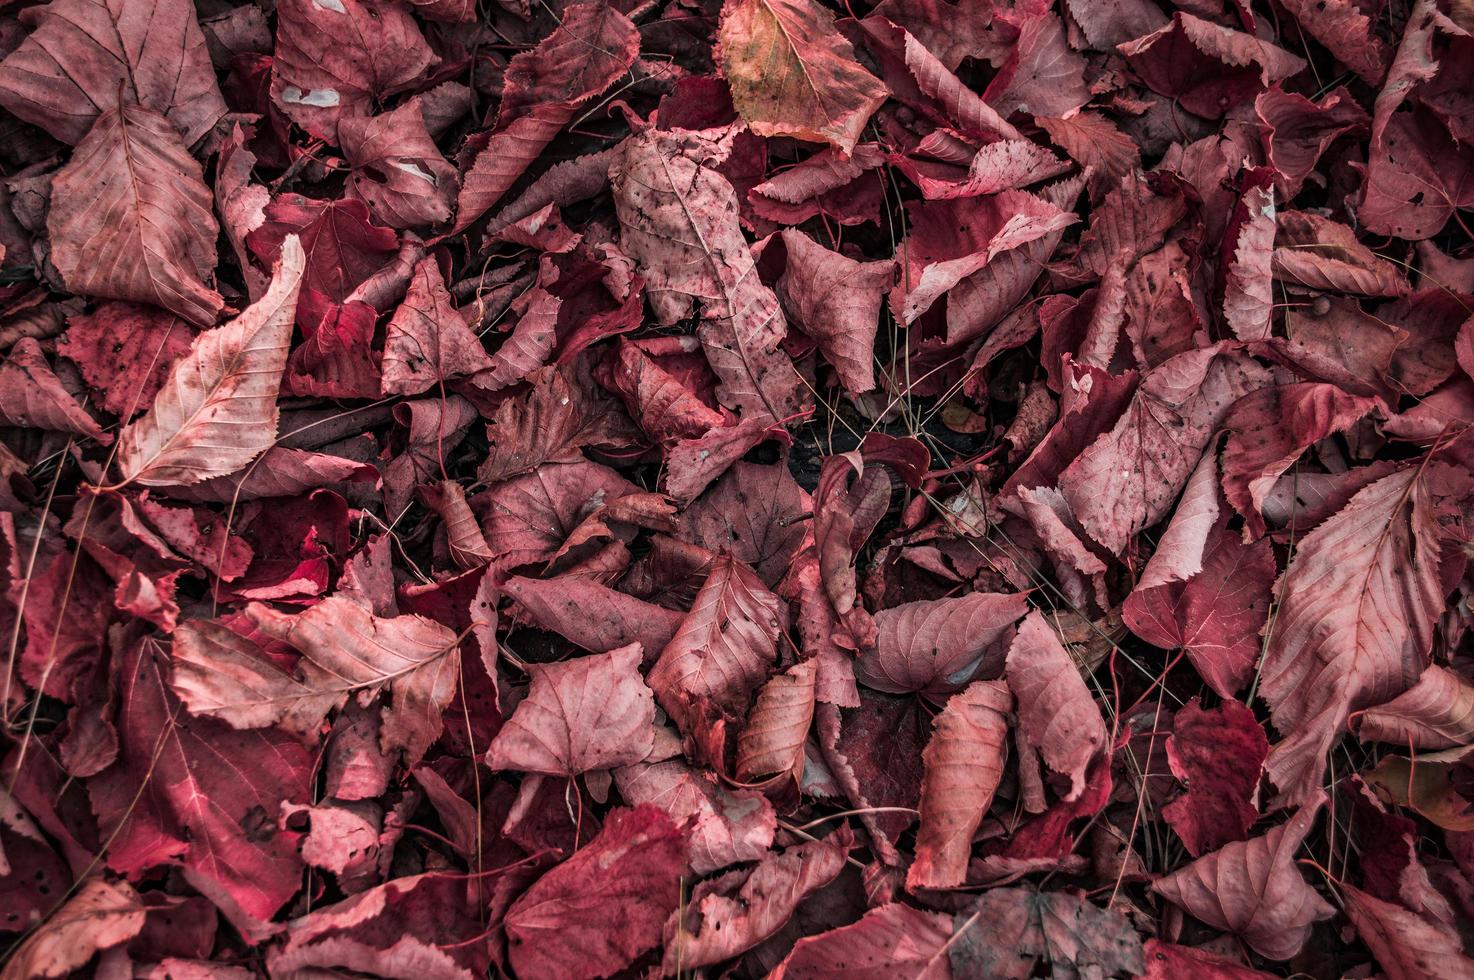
{"x":1355,"y":623}
{"x":594,"y":712}
{"x":964,"y":764}
{"x":937,"y":647}
{"x":595,"y":913}
{"x":1254,"y":889}
{"x":792,"y":74}
{"x":1219,"y":754}
{"x":1056,"y":712}
{"x":84,"y":57}
{"x":334,"y":59}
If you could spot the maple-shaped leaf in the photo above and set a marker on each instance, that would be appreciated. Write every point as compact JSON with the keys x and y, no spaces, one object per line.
{"x":1269,"y":429}
{"x":836,"y":300}
{"x":964,"y":764}
{"x":678,"y":217}
{"x":1407,"y":946}
{"x":1435,"y":713}
{"x":1253,"y":888}
{"x":593,"y":615}
{"x":125,"y":351}
{"x":396,"y":168}
{"x":1057,"y":714}
{"x":595,"y":913}
{"x":131,"y":217}
{"x":1127,"y":479}
{"x":427,"y":340}
{"x":723,"y":826}
{"x":1219,"y":754}
{"x":217,"y":409}
{"x":593,"y":712}
{"x":98,"y":916}
{"x":1355,"y":623}
{"x":345,"y":650}
{"x":724,"y":648}
{"x":593,"y":46}
{"x":772,"y":741}
{"x":194,"y":792}
{"x":792,"y":74}
{"x":1011,"y":930}
{"x":334,"y":58}
{"x":86,"y":57}
{"x":892,"y":940}
{"x":937,"y":646}
{"x":733,"y":912}
{"x":344,"y":248}
{"x":32,"y":396}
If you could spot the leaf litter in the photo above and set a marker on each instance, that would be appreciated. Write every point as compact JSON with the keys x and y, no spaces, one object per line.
{"x":752,"y":488}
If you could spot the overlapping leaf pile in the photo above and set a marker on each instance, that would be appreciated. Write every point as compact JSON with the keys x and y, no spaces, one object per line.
{"x":736,"y":488}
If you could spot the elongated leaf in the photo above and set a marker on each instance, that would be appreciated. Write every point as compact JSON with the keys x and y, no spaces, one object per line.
{"x":101,"y":915}
{"x":964,"y":764}
{"x":1435,"y":713}
{"x":217,"y":410}
{"x":1360,"y":600}
{"x":724,"y":648}
{"x":1056,"y":712}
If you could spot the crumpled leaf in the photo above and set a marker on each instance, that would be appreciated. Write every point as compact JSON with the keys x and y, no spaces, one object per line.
{"x":595,"y":913}
{"x":772,"y":742}
{"x":427,"y":341}
{"x":1056,"y":712}
{"x":345,"y":650}
{"x":1163,"y":432}
{"x":31,"y":395}
{"x":1254,"y":889}
{"x":792,"y":74}
{"x":1011,"y":929}
{"x":100,"y":915}
{"x":1435,"y":713}
{"x":736,"y":911}
{"x":217,"y":409}
{"x":131,"y":217}
{"x":333,"y":58}
{"x":1219,"y":754}
{"x":723,"y":650}
{"x":1405,"y":945}
{"x":726,"y":826}
{"x":836,"y":300}
{"x":397,"y":169}
{"x":888,"y":941}
{"x":964,"y":764}
{"x":125,"y":351}
{"x":681,"y":228}
{"x":594,"y":712}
